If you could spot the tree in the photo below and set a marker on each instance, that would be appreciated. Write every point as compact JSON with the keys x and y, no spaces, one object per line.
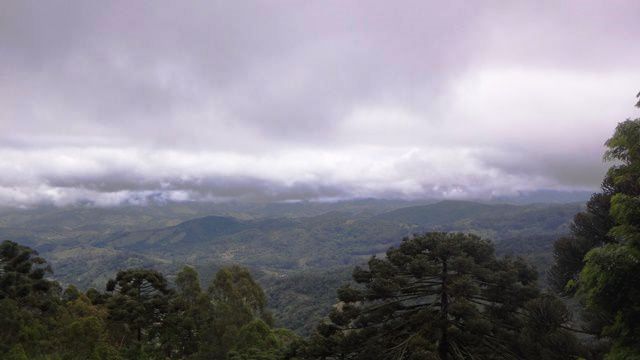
{"x":139,"y":305}
{"x":38,"y":319}
{"x":235,"y":287}
{"x":545,"y":334}
{"x":600,"y":261}
{"x":189,"y":309}
{"x":589,"y":229}
{"x":138,"y":317}
{"x":28,"y":301}
{"x":258,"y":341}
{"x":83,"y":331}
{"x":22,"y":277}
{"x":236,"y":300}
{"x":436,"y":296}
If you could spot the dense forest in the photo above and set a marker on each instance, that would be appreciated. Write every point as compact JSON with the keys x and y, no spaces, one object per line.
{"x":137,"y":316}
{"x":438,"y":294}
{"x":435,"y":295}
{"x":300,"y":253}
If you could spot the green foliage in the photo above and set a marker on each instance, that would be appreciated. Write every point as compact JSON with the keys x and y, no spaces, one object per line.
{"x":625,"y":210}
{"x":16,"y":353}
{"x":600,"y":262}
{"x":610,"y":285}
{"x":568,"y":256}
{"x":139,"y":304}
{"x":300,"y":261}
{"x":545,"y":334}
{"x":16,"y":326}
{"x":621,"y":352}
{"x":233,"y":286}
{"x":288,"y":247}
{"x":236,"y":301}
{"x":301,"y":299}
{"x":139,"y":316}
{"x":608,"y":281}
{"x":256,"y":340}
{"x":440,"y":296}
{"x":84,"y":333}
{"x":189,"y":310}
{"x":87,"y":245}
{"x":22,"y":276}
{"x":624,"y":145}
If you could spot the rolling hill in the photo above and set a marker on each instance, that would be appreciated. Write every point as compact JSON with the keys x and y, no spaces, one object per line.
{"x":300,"y":259}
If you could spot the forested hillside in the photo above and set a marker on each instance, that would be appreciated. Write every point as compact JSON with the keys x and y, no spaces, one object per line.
{"x":87,"y":246}
{"x":436,"y":293}
{"x":137,"y":315}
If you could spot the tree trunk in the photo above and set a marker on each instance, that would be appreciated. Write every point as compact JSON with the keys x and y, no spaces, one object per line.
{"x":139,"y":327}
{"x":443,"y":346}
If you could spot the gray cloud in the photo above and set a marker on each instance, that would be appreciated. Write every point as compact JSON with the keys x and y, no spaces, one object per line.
{"x":109,"y":101}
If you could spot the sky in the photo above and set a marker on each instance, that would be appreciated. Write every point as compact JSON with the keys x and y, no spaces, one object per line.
{"x":112,"y":102}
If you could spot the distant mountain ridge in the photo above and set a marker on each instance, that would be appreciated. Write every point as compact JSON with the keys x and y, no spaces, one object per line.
{"x":445,"y":215}
{"x":504,"y":220}
{"x":446,"y":211}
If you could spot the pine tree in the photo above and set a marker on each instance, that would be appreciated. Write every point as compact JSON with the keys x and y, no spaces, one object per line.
{"x":138,"y":306}
{"x":546,"y":334}
{"x":22,"y":277}
{"x":436,"y":296}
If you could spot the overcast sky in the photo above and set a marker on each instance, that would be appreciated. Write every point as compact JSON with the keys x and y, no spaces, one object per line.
{"x":122,"y":101}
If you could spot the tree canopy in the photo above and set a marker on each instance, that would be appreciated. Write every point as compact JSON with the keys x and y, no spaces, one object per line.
{"x":599,"y":262}
{"x":443,"y":296}
{"x":141,"y":315}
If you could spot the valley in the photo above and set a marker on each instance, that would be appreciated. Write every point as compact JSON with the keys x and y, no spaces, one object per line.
{"x":300,"y":253}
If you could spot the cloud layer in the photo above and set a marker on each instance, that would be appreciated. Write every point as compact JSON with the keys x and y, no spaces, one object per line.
{"x":121,"y":101}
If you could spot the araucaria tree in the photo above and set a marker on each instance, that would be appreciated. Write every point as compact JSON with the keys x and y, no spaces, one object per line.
{"x":600,"y":262}
{"x":140,"y":316}
{"x":139,"y":304}
{"x":22,"y":276}
{"x":436,"y":296}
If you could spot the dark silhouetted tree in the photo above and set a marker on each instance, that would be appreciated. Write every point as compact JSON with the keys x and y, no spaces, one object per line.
{"x":138,"y":306}
{"x":438,"y":296}
{"x":22,"y":277}
{"x":189,"y":309}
